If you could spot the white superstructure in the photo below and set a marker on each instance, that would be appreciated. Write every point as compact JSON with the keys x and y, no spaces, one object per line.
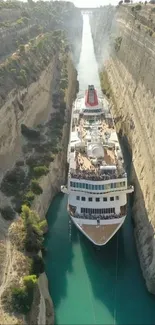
{"x":97,"y":182}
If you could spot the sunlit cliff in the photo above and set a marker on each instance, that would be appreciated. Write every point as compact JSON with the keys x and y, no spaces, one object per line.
{"x":124,"y":41}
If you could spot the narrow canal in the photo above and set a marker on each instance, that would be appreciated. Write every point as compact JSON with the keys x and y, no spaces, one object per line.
{"x":90,"y":286}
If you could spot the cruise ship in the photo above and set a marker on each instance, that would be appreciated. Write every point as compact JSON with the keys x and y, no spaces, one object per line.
{"x":97,"y":182}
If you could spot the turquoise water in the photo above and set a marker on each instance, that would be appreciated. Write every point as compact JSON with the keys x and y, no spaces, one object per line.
{"x":91,"y":286}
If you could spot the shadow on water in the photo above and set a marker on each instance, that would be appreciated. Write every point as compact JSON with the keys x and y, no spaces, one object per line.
{"x":59,"y":248}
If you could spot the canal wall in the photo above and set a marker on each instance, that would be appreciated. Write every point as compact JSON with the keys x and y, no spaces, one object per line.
{"x":38,"y":83}
{"x":125,"y":49}
{"x":56,"y":177}
{"x":51,"y":184}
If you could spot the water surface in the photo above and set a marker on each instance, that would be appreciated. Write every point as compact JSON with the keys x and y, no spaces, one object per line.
{"x":91,"y":286}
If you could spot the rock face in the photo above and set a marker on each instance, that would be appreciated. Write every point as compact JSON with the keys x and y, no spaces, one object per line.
{"x":51,"y":186}
{"x":38,"y":84}
{"x":16,"y":111}
{"x":57,"y":170}
{"x":129,"y":61}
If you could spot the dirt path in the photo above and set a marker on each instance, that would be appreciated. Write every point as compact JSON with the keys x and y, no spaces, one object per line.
{"x":6,"y":277}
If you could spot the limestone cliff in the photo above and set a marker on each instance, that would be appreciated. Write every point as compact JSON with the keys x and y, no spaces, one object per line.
{"x":125,"y":48}
{"x":51,"y":185}
{"x":38,"y":84}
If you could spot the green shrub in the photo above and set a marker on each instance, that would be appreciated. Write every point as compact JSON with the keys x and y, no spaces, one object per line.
{"x":35,"y":187}
{"x":20,"y":163}
{"x":14,"y":181}
{"x":21,"y":48}
{"x":34,"y":235}
{"x":43,"y":226}
{"x":151,"y":32}
{"x":34,"y":240}
{"x":38,"y":266}
{"x":29,"y":132}
{"x":25,"y":212}
{"x":21,"y":81}
{"x":63,"y":83}
{"x":40,"y":171}
{"x":30,"y":281}
{"x":138,"y":7}
{"x":7,"y":213}
{"x":118,"y":41}
{"x":21,"y":300}
{"x":28,"y":198}
{"x":105,"y":84}
{"x":22,"y":297}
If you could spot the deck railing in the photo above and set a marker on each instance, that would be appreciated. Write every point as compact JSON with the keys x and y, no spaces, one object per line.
{"x":97,"y":217}
{"x":95,"y":176}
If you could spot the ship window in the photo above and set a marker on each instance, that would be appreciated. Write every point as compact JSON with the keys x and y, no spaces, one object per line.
{"x":97,"y":199}
{"x":71,"y":184}
{"x":93,"y":187}
{"x":107,"y":186}
{"x":105,"y":199}
{"x":111,"y":198}
{"x":112,"y":185}
{"x":86,"y":186}
{"x":96,"y":187}
{"x":78,"y":198}
{"x":100,"y":187}
{"x":83,"y":198}
{"x":90,"y":199}
{"x":117,"y":198}
{"x":89,"y":186}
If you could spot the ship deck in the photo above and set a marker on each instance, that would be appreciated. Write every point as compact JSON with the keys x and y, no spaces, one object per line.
{"x":100,"y":234}
{"x":83,"y":162}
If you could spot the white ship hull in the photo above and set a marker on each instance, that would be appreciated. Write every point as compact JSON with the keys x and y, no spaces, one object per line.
{"x":97,"y":182}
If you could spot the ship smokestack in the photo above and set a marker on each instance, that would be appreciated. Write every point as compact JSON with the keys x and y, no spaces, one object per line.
{"x":91,"y":96}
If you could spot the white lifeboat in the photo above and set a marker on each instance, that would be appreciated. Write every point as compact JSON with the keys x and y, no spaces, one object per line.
{"x":64,"y":189}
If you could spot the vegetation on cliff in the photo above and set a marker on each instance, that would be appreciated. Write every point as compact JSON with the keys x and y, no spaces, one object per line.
{"x":41,"y":145}
{"x":25,"y":66}
{"x":19,"y":21}
{"x":27,"y":236}
{"x":36,"y":36}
